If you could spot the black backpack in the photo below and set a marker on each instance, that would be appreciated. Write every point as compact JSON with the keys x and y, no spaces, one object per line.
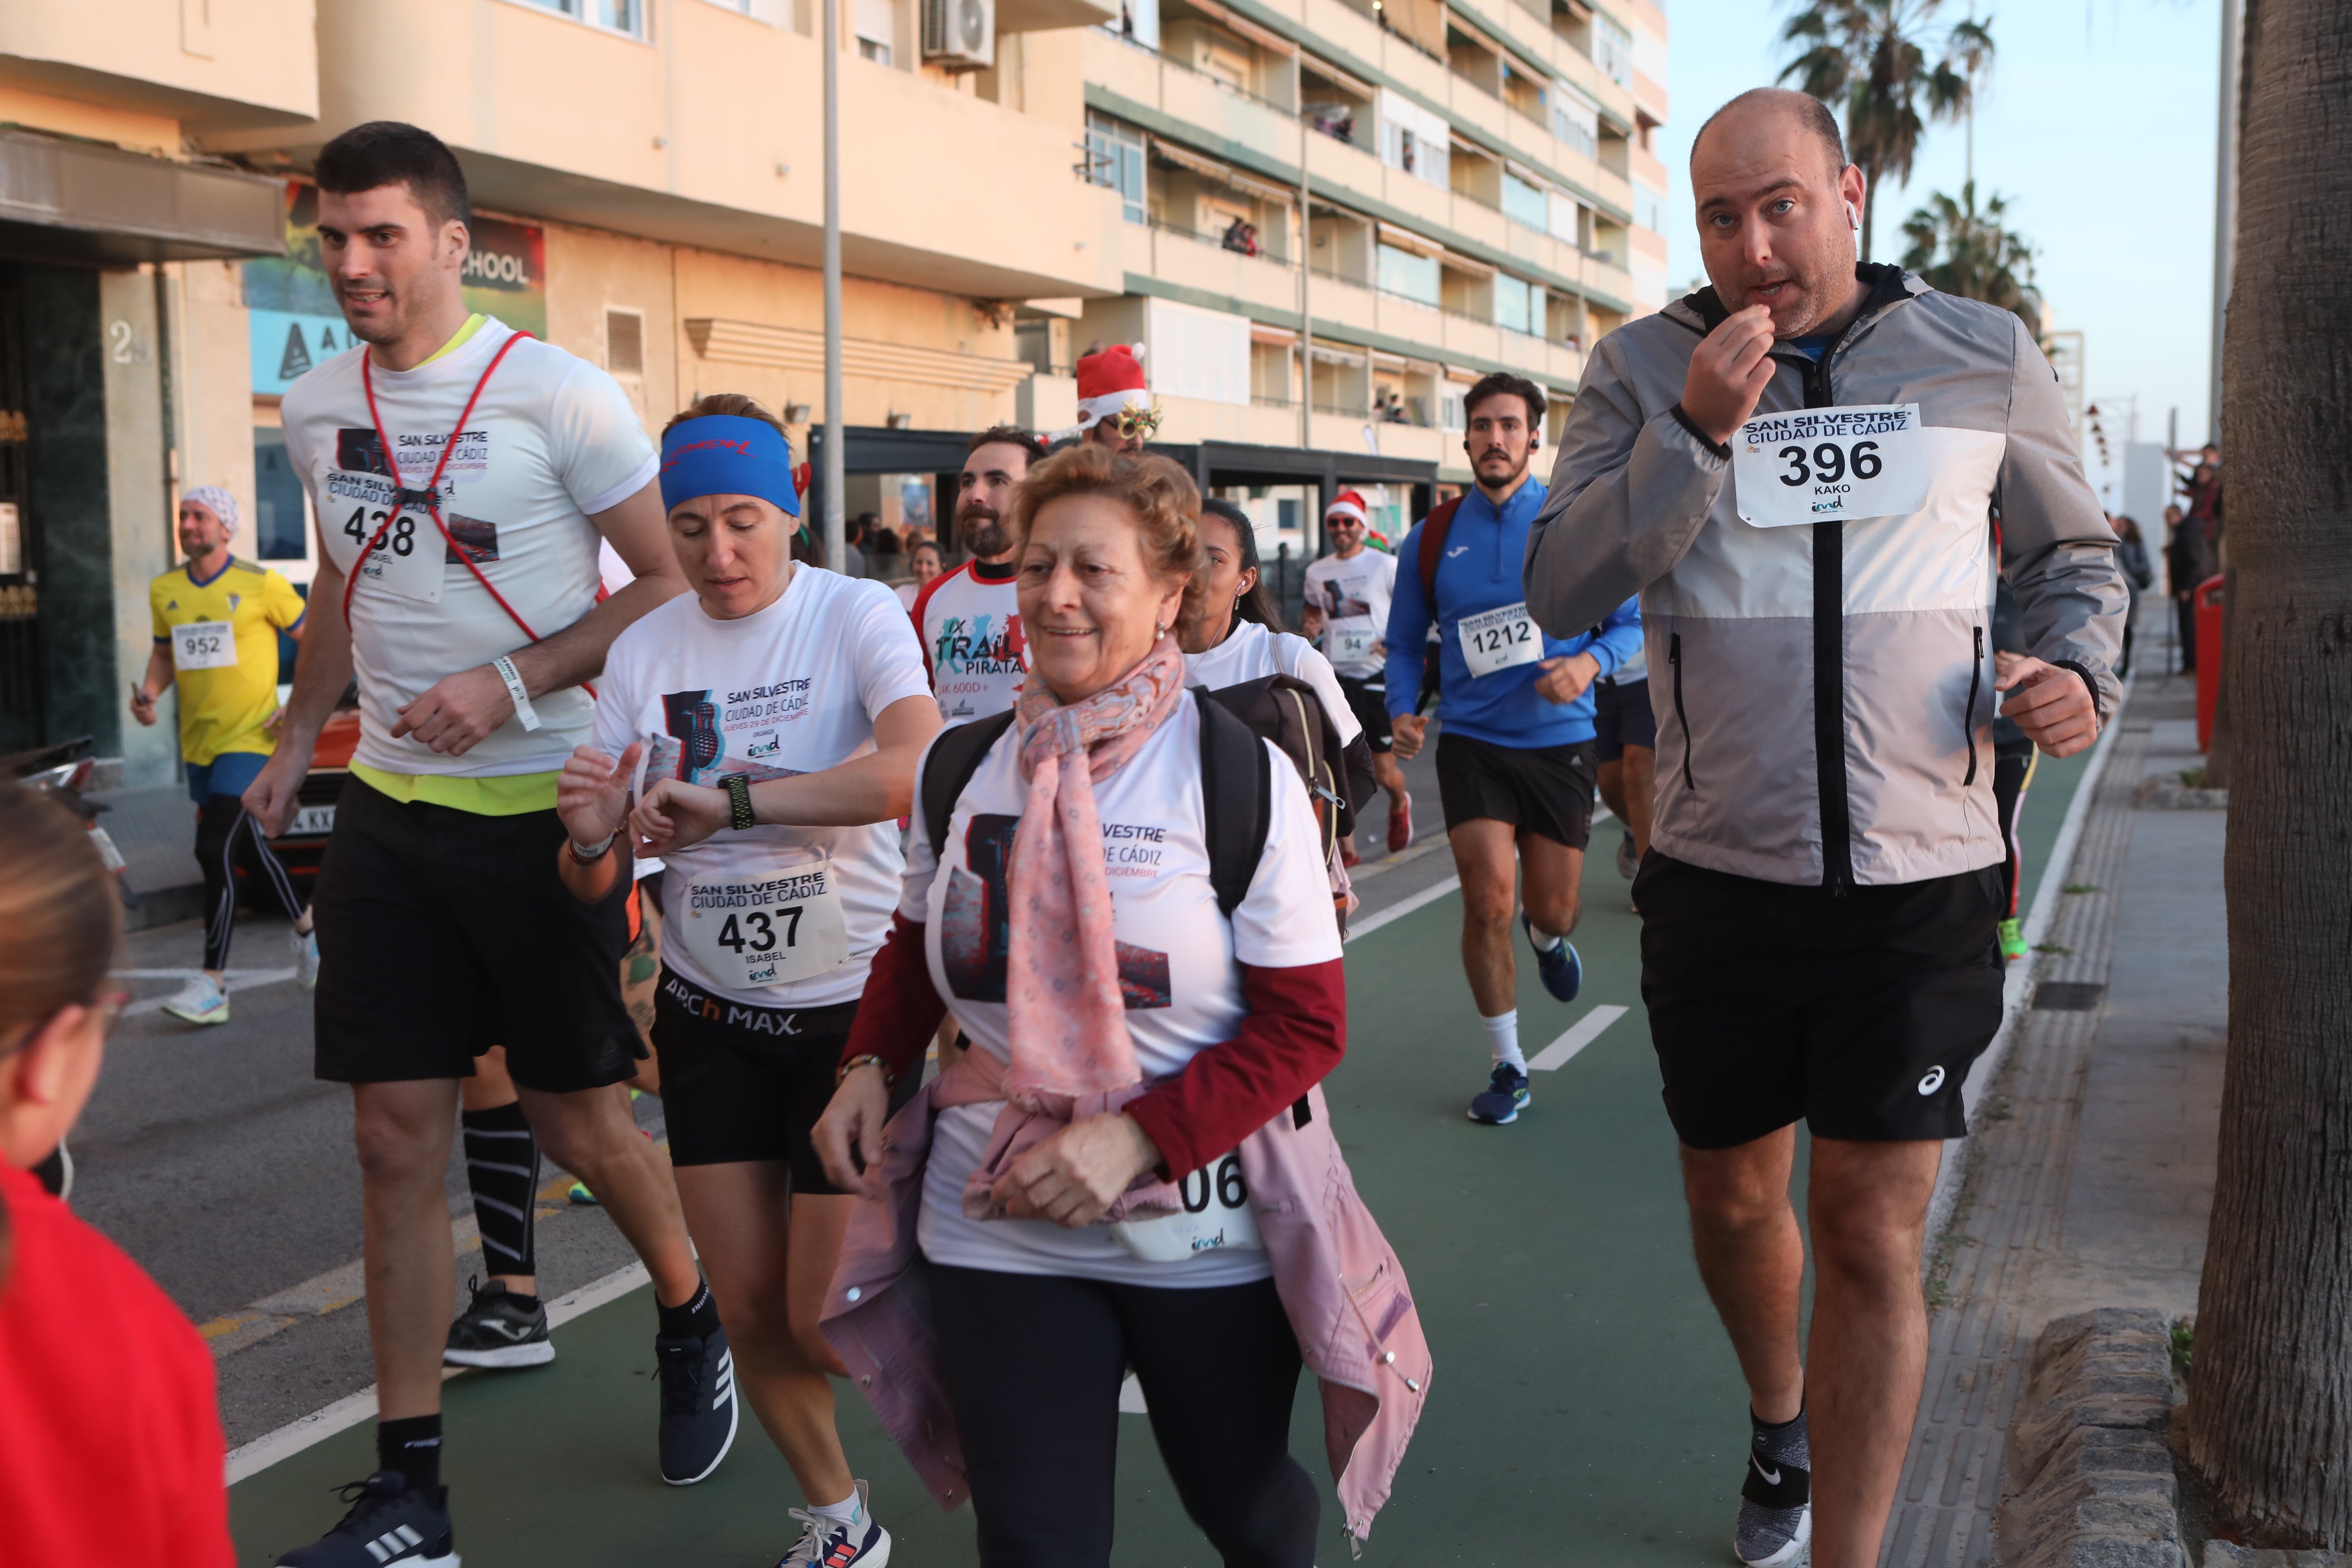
{"x":1236,"y":779}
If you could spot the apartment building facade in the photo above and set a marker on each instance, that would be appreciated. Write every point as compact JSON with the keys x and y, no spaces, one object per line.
{"x":648,"y":187}
{"x":1471,"y":185}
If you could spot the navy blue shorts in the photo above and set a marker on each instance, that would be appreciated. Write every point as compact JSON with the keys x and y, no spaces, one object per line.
{"x":231,"y":773}
{"x":1621,"y":718}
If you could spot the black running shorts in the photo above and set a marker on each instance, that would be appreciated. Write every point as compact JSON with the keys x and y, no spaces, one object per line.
{"x":740,"y":1082}
{"x":1859,"y":1015}
{"x":444,"y":932}
{"x":1368,"y":699}
{"x":1621,"y":718}
{"x":1544,"y":789}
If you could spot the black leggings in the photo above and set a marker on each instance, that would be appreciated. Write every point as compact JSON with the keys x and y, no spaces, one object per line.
{"x":2012,"y":770}
{"x":221,"y":824}
{"x":1034,"y":1365}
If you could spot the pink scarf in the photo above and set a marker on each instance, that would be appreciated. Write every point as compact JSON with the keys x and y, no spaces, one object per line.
{"x":1065,"y":1018}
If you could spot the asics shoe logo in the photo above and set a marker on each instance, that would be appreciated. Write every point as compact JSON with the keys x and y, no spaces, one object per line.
{"x":1771,"y":1478}
{"x":1933,"y":1081}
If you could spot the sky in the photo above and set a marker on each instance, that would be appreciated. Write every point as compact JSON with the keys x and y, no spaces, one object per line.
{"x":2097,"y":123}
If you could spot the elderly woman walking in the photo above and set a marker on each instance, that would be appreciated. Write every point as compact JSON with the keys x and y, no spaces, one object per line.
{"x":1118,"y":892}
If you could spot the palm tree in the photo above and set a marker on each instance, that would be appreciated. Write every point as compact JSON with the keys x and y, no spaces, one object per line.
{"x":2270,"y":1394}
{"x":1879,"y":60}
{"x":1974,"y":254}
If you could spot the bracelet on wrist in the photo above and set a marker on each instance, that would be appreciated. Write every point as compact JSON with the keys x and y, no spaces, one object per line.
{"x":889,"y":1079}
{"x":739,"y":801}
{"x":589,"y":854}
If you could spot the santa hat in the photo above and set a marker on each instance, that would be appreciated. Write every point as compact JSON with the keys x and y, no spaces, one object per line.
{"x":1108,"y":381}
{"x":1350,"y":504}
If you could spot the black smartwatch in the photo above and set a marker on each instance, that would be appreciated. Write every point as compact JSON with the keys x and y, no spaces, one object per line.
{"x":739,"y":801}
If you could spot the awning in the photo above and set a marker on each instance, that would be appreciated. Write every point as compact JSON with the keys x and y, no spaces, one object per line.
{"x":1332,"y":73}
{"x":1405,"y":239}
{"x":1261,"y":333}
{"x":1185,"y":158}
{"x":1248,"y":29}
{"x":1264,"y":190}
{"x":91,"y":203}
{"x":1462,"y":263}
{"x":1349,"y":357}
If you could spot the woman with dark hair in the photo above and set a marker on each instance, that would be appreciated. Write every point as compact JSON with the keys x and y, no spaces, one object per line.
{"x":108,"y":1457}
{"x":1238,"y":637}
{"x":1131,"y":1165}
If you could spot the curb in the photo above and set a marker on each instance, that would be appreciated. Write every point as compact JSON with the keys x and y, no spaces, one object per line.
{"x":2086,"y":1455}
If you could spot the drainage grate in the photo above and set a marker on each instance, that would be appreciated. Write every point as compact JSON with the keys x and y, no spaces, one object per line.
{"x":2068,"y":996}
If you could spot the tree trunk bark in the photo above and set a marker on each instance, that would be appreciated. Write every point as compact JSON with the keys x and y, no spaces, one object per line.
{"x":2270,"y":1414}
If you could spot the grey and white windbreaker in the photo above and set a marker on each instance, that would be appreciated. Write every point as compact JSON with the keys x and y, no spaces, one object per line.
{"x":1824,"y":691}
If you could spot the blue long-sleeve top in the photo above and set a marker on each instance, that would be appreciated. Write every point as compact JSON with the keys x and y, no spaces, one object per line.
{"x":1480,"y":572}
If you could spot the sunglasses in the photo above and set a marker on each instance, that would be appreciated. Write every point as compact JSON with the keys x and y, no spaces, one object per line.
{"x":1131,"y":422}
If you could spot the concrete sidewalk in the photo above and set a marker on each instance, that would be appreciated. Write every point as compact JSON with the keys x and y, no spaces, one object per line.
{"x":2091,"y":1170}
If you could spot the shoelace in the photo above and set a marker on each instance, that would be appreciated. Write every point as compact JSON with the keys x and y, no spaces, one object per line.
{"x":369,"y":1496}
{"x":816,"y":1536}
{"x":681,"y":1377}
{"x":1505,"y":1079}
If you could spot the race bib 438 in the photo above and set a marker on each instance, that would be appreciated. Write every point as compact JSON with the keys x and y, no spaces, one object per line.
{"x":1830,"y":465}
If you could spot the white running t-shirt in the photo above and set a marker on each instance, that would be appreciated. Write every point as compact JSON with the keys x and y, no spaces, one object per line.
{"x":1353,"y":597}
{"x":551,"y":440}
{"x":970,"y":628}
{"x":1250,"y":652}
{"x":1177,"y":957}
{"x":792,"y":688}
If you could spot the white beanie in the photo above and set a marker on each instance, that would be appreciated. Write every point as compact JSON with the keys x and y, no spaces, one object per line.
{"x":217,"y":502}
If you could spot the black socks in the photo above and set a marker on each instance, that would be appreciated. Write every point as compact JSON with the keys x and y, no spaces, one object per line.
{"x":1780,"y":1463}
{"x":698,"y":1319}
{"x":502,"y":1169}
{"x":412,"y":1448}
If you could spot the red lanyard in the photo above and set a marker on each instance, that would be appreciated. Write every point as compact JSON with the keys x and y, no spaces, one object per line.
{"x":430,"y":497}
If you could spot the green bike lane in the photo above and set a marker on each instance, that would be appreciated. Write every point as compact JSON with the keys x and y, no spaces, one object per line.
{"x":1585,"y":1407}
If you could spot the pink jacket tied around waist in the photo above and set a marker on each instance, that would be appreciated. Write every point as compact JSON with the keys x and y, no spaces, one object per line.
{"x":1339,"y":1281}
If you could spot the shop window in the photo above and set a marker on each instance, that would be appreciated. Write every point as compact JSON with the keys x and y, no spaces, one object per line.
{"x":281,"y":524}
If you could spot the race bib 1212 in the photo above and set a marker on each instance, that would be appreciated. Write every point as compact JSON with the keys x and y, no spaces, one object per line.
{"x":1830,"y":465}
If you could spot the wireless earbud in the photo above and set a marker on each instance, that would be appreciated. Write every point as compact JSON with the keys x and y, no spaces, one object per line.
{"x":1853,"y":219}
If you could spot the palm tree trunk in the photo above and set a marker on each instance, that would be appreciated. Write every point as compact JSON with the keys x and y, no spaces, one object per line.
{"x":2270,"y":1414}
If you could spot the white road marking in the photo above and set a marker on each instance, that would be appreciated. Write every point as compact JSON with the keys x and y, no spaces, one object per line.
{"x":236,"y":980}
{"x":1130,"y":1397}
{"x":1402,"y":908}
{"x":1581,"y":1034}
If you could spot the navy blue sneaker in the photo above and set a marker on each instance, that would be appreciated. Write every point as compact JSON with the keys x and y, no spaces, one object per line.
{"x":391,"y":1524}
{"x":699,"y":1409}
{"x":1506,"y":1095}
{"x":1562,"y":971}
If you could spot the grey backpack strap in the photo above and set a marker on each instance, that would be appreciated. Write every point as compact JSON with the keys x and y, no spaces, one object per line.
{"x":1236,"y":777}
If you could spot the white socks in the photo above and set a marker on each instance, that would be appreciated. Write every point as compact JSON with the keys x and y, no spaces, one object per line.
{"x":1542,"y":939}
{"x":1503,"y":1035}
{"x":844,"y":1512}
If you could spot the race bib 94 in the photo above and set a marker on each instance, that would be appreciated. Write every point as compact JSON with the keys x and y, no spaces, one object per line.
{"x":1830,"y":465}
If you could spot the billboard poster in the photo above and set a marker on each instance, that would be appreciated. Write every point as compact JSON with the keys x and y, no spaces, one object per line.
{"x":295,"y":321}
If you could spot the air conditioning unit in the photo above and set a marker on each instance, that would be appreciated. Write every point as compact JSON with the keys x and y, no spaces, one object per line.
{"x":959,"y":34}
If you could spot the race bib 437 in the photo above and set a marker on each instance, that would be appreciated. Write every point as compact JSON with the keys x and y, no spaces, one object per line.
{"x":1830,"y":465}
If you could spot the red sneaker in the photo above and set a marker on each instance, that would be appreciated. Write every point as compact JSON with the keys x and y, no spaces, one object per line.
{"x":1399,"y":824}
{"x":1347,"y":856}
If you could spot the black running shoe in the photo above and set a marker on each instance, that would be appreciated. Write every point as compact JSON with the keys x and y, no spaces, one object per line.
{"x":496,"y":1331}
{"x":698,"y":1405}
{"x":391,"y":1525}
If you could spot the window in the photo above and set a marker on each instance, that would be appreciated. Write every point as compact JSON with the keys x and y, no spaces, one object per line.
{"x":1524,"y":202}
{"x":1115,"y":158}
{"x":876,"y":22}
{"x":1403,"y":273}
{"x":282,"y":530}
{"x":1450,"y":415}
{"x":624,"y":342}
{"x":1518,"y":305}
{"x":1612,"y":50}
{"x":616,"y":16}
{"x":1649,"y":208}
{"x":1575,"y":120}
{"x":1414,"y":139}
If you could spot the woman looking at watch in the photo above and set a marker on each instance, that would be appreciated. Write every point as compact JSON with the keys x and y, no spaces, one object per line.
{"x":776,"y":713}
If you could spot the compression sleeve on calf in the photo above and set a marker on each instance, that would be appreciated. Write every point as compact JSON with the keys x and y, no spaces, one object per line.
{"x":900,"y":1010}
{"x":1294,"y":1033}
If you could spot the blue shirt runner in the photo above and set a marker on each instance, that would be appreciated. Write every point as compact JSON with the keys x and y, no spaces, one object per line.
{"x":1480,"y":572}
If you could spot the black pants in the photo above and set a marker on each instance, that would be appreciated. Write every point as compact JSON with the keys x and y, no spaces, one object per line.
{"x":2186,"y":608}
{"x":1034,"y":1365}
{"x":2013,"y":768}
{"x":222,"y":826}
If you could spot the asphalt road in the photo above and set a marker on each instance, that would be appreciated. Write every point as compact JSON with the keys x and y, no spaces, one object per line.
{"x":216,"y":1160}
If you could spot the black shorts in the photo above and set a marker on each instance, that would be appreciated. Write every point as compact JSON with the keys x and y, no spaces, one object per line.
{"x":1860,"y":1014}
{"x":740,"y":1082}
{"x":1544,"y":789}
{"x":444,"y":932}
{"x":1368,"y":699}
{"x":1621,"y":718}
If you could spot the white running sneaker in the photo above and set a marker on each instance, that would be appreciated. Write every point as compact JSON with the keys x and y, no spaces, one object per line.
{"x":200,"y":1001}
{"x":306,"y":957}
{"x":829,"y":1543}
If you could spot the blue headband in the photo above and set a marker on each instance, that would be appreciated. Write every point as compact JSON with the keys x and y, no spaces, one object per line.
{"x":726,"y":454}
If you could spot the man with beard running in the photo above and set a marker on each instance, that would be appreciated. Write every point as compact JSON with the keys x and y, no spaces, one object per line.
{"x":968,"y":618}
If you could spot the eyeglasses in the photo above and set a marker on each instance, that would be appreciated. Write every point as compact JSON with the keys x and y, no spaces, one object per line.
{"x":1131,"y":422}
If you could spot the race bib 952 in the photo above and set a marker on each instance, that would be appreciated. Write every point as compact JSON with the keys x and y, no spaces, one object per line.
{"x":1830,"y":465}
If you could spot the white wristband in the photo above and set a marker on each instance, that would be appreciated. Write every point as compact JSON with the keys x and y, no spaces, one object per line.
{"x":523,"y":709}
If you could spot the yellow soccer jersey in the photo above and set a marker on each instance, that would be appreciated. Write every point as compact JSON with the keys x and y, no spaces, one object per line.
{"x":223,"y":636}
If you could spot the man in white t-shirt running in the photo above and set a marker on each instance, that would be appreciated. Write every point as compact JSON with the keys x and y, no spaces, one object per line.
{"x":1348,"y":595}
{"x":462,"y":475}
{"x":968,"y":619}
